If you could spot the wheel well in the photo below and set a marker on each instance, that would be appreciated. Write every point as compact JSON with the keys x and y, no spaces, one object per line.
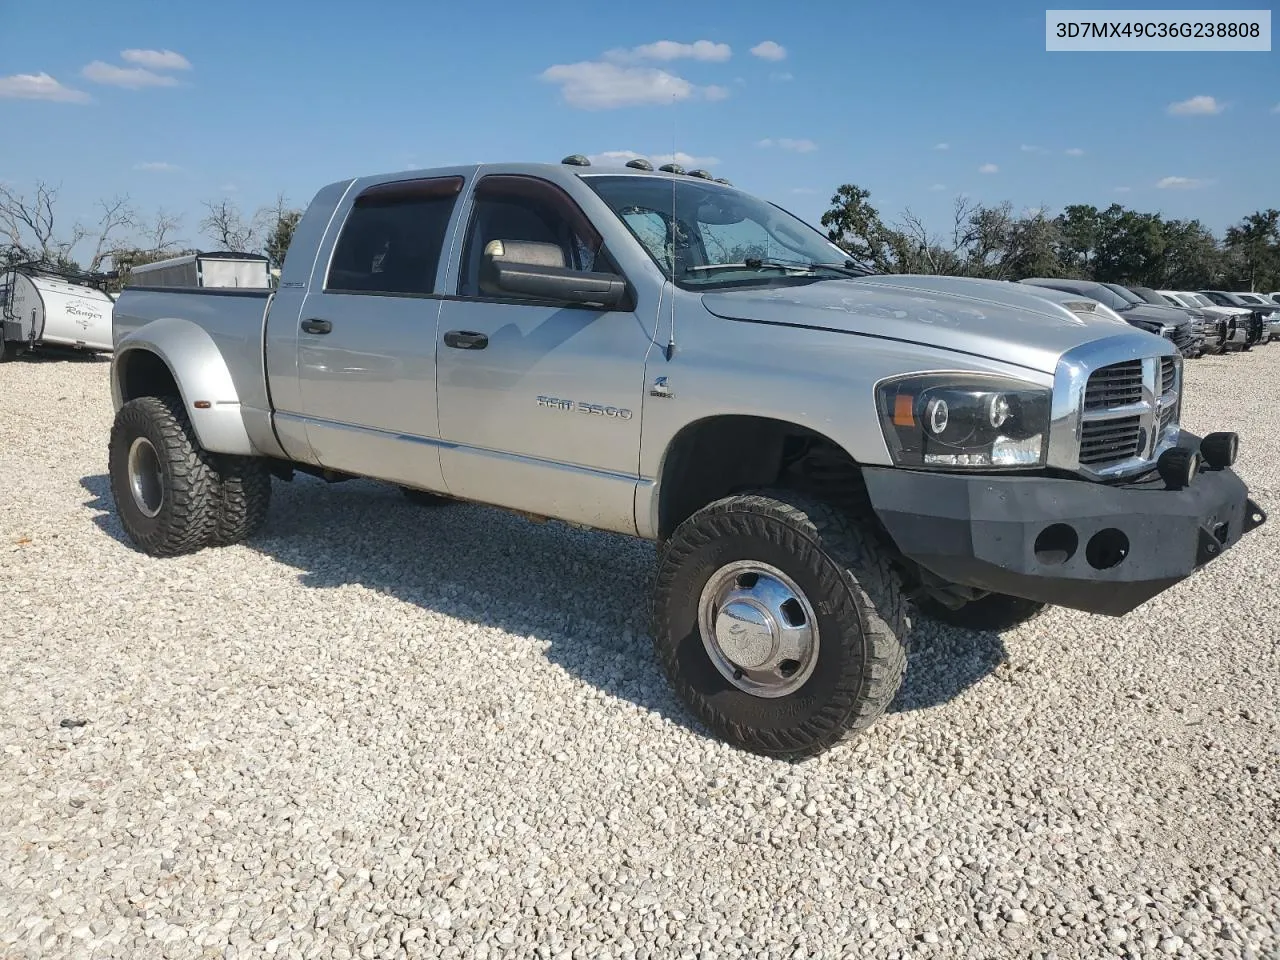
{"x":716,"y":457}
{"x":145,"y":375}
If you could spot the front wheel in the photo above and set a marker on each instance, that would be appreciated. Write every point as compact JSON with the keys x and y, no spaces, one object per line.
{"x":778,"y":623}
{"x":165,"y":486}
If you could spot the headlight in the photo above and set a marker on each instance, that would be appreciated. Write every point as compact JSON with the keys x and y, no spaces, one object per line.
{"x":950,"y":421}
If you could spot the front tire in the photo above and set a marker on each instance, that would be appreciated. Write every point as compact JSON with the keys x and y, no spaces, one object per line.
{"x":994,"y":612}
{"x":164,"y":485}
{"x":778,"y":623}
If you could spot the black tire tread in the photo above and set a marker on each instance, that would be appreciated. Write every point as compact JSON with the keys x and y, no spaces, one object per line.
{"x":244,"y":499}
{"x":874,"y":595}
{"x":193,"y":492}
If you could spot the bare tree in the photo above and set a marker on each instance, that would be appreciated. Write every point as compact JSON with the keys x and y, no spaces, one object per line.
{"x":226,"y":225}
{"x":161,"y":232}
{"x":279,"y":223}
{"x":117,"y":214}
{"x":30,"y":224}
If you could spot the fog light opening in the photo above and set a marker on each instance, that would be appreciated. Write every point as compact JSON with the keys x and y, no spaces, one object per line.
{"x":1221,"y":532}
{"x":1106,"y":549}
{"x":1056,"y":544}
{"x":1220,"y":449}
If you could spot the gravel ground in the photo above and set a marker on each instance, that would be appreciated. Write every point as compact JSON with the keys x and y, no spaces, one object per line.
{"x":388,"y":731}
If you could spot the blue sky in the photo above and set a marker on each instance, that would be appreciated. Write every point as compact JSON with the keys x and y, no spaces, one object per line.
{"x":916,"y":102}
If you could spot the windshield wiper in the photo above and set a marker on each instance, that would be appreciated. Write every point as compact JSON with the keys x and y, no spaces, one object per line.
{"x":847,"y":269}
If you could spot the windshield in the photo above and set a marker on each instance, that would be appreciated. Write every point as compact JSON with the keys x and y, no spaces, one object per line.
{"x":1104,"y":294}
{"x":1201,"y":299}
{"x":719,"y":236}
{"x":1249,"y":297}
{"x":1128,"y":296}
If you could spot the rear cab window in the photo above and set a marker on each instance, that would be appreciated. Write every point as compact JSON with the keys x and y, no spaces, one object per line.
{"x":393,"y":238}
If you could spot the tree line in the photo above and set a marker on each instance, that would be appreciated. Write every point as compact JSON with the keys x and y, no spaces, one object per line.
{"x":1111,"y":245}
{"x":1114,"y":245}
{"x":32,"y":229}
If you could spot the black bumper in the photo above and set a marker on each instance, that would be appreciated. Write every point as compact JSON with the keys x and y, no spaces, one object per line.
{"x":1093,"y":547}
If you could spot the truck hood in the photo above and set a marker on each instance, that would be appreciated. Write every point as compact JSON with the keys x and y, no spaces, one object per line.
{"x":988,"y":318}
{"x":1150,"y":313}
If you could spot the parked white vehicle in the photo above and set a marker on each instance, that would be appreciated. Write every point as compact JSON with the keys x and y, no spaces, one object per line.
{"x":204,"y":270}
{"x":1236,"y":332}
{"x":42,"y":307}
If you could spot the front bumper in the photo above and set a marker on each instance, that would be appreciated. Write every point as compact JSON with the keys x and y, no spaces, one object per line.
{"x":1089,"y":546}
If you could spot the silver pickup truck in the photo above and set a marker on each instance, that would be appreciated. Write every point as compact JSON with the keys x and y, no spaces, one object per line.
{"x":819,"y":453}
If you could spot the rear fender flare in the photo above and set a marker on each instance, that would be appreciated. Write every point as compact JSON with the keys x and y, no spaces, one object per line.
{"x":201,"y":374}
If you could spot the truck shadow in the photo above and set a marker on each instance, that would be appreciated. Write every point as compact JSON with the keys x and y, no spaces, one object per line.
{"x":585,"y":595}
{"x":53,"y":354}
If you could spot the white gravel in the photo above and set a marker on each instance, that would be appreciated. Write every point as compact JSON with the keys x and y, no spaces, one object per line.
{"x":387,"y":731}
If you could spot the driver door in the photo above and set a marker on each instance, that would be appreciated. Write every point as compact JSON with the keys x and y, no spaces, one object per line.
{"x":539,"y":402}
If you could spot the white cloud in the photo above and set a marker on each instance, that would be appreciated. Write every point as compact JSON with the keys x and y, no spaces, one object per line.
{"x":705,"y":50}
{"x":782,"y":76}
{"x":942,"y":146}
{"x":1074,"y":152}
{"x":988,"y":168}
{"x":1029,"y":148}
{"x":938,"y":186}
{"x":803,"y":190}
{"x":229,"y":188}
{"x":1124,"y":189}
{"x":768,"y":50}
{"x":1196,"y":106}
{"x":786,"y":143}
{"x":157,"y":166}
{"x":38,"y":86}
{"x":1182,"y":183}
{"x":619,"y":158}
{"x":156,"y":59}
{"x":131,"y":78}
{"x":599,"y":85}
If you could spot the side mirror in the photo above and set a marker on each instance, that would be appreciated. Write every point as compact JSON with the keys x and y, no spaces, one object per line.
{"x":524,"y":268}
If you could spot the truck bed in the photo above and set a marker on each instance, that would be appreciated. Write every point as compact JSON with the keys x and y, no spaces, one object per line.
{"x":233,"y":317}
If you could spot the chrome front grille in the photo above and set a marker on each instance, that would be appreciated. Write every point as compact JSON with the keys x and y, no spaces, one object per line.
{"x":1130,"y":413}
{"x":1114,"y":386}
{"x":1108,"y":441}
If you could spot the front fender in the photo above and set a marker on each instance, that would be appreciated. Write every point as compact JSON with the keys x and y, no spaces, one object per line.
{"x":201,"y":375}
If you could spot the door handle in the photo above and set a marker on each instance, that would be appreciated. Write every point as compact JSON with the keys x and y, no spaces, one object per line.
{"x":316,"y":326}
{"x":466,"y":340}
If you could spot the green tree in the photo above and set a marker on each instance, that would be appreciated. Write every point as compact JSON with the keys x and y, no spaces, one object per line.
{"x":1080,"y":233}
{"x":1254,"y":246}
{"x":282,"y":220}
{"x":854,"y":225}
{"x":1193,"y":259}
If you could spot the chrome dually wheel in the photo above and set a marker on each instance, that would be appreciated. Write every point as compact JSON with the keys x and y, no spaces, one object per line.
{"x":759,"y":628}
{"x":166,"y":488}
{"x":146,"y":481}
{"x":779,"y":622}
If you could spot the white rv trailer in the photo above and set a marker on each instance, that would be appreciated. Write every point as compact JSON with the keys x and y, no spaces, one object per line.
{"x":39,"y":307}
{"x":220,"y":269}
